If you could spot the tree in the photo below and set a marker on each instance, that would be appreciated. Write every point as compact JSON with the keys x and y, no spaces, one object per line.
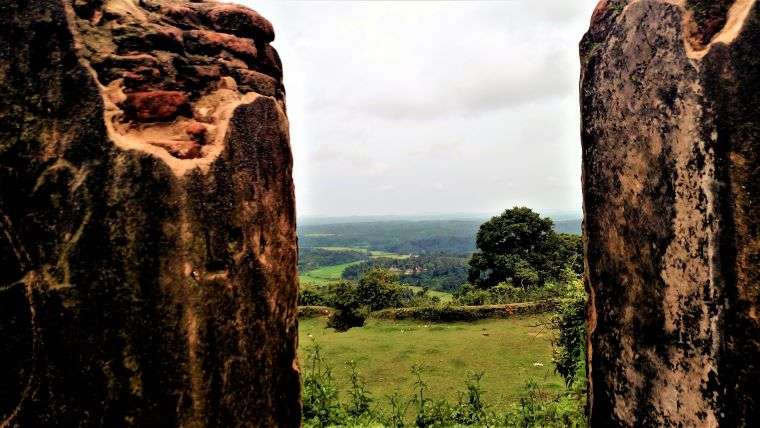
{"x":379,"y":288}
{"x":520,"y":247}
{"x":349,"y":309}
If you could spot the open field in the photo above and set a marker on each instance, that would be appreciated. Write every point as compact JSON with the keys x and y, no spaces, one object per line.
{"x":324,"y":275}
{"x":510,"y":351}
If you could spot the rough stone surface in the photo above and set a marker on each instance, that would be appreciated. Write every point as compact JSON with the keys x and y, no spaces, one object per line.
{"x":670,"y":100}
{"x":147,"y":242}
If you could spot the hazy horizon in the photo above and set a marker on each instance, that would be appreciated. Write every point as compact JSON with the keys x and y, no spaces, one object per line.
{"x":428,"y":108}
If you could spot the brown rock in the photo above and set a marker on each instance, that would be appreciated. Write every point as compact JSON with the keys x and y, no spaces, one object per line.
{"x":179,"y":149}
{"x":211,"y":43}
{"x":253,"y":81}
{"x":181,"y":15}
{"x":228,"y":18}
{"x":155,"y":105}
{"x":138,"y":289}
{"x":197,"y":132}
{"x":141,"y":77}
{"x":139,"y":37}
{"x":671,"y":181}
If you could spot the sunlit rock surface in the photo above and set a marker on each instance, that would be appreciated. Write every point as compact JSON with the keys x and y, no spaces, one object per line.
{"x":147,"y":224}
{"x":670,"y":99}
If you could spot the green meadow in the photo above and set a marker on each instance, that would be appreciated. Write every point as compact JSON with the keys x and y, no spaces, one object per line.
{"x":509,"y":351}
{"x":325,"y":274}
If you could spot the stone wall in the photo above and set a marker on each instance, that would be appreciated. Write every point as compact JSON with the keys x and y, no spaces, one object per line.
{"x":670,"y":101}
{"x":147,"y":217}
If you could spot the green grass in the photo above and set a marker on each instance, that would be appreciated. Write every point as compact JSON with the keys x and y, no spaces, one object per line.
{"x":325,"y":274}
{"x":385,"y":351}
{"x":445,"y":297}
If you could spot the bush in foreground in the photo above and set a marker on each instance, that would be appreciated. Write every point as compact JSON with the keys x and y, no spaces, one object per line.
{"x":350,"y":310}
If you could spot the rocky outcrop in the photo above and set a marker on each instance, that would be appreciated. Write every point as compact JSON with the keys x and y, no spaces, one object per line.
{"x":147,"y":217}
{"x":671,"y":175}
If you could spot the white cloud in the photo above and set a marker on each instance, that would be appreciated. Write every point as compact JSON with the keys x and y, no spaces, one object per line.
{"x":420,"y":107}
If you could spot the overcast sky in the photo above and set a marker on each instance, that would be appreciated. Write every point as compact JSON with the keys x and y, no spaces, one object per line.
{"x":432,"y":108}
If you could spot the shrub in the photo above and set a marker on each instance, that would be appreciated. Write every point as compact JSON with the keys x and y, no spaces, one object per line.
{"x":309,"y":295}
{"x":361,"y":400}
{"x":453,"y":313}
{"x":471,"y":408}
{"x":570,"y":342}
{"x":379,"y":289}
{"x":305,"y":312}
{"x":349,"y":310}
{"x":539,"y":407}
{"x":504,"y":293}
{"x":320,"y":392}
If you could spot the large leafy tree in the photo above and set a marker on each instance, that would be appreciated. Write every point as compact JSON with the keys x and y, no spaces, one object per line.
{"x":379,"y":288}
{"x":520,"y":247}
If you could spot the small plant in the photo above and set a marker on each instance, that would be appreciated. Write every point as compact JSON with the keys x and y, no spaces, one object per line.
{"x":399,"y":408}
{"x":321,"y":404}
{"x":570,"y":324}
{"x":361,"y":400}
{"x":471,"y":409}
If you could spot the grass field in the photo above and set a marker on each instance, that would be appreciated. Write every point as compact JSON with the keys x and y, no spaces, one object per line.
{"x":510,"y":352}
{"x":325,"y":275}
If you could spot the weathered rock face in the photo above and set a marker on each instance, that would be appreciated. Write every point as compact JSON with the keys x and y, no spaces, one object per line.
{"x":147,"y":224}
{"x":670,"y":96}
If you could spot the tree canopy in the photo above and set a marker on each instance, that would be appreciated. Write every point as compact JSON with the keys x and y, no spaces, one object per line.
{"x":521,"y":247}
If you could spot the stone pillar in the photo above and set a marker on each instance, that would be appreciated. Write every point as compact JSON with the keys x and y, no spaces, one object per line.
{"x":147,"y":217}
{"x":670,"y":100}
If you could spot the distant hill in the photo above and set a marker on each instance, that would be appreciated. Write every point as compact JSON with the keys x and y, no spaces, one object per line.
{"x":569,"y":226}
{"x":403,"y":236}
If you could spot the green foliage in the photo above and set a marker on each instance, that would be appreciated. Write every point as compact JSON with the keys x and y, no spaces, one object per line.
{"x":306,"y":312}
{"x":350,"y":310}
{"x":438,"y":272}
{"x":313,"y":258}
{"x":360,"y":400}
{"x":420,"y":237}
{"x":310,"y":295}
{"x":506,"y":294}
{"x":455,"y":313}
{"x":321,"y":405}
{"x":541,"y":408}
{"x":538,"y":407}
{"x":522,"y":248}
{"x":471,"y":408}
{"x":399,"y":407}
{"x":379,"y":289}
{"x":570,"y":324}
{"x":400,"y":237}
{"x":353,"y":301}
